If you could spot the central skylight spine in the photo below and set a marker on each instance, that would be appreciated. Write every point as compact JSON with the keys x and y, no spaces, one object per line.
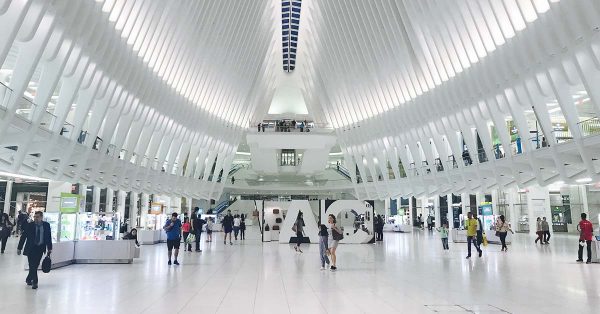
{"x":290,"y":24}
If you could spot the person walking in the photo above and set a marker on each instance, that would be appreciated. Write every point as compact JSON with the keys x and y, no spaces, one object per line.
{"x":586,"y":231}
{"x":545,"y":231}
{"x":21,"y":221}
{"x":227,"y":223}
{"x":337,"y":235}
{"x":173,"y":229}
{"x":299,"y":229}
{"x":429,"y":222}
{"x":324,"y":246}
{"x":471,"y":226}
{"x":209,"y":226}
{"x":186,"y":228}
{"x":379,"y":228}
{"x":5,"y":230}
{"x":243,"y":227}
{"x":502,"y":229}
{"x":236,"y":226}
{"x":197,"y":224}
{"x":444,"y":236}
{"x":538,"y":231}
{"x":479,"y":234}
{"x":37,"y":240}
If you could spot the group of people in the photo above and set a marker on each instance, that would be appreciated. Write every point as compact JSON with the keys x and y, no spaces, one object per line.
{"x":327,"y":248}
{"x":233,"y":224}
{"x":542,"y":231}
{"x":285,"y":126}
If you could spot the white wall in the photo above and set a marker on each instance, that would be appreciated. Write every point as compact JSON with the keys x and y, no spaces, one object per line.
{"x":54,"y":190}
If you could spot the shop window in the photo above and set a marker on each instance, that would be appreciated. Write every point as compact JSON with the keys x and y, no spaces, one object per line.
{"x":515,"y":138}
{"x":522,"y":212}
{"x":497,"y":147}
{"x":288,"y":158}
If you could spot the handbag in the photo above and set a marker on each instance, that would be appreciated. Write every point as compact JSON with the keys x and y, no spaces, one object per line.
{"x":294,"y":228}
{"x":191,"y":238}
{"x":337,"y":236}
{"x":46,"y":264}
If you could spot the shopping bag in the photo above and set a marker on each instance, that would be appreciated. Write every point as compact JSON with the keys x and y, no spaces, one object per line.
{"x":46,"y":264}
{"x":485,"y":241}
{"x":191,"y":238}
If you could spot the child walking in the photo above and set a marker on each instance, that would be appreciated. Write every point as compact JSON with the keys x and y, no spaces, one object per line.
{"x":323,"y":246}
{"x":444,"y":235}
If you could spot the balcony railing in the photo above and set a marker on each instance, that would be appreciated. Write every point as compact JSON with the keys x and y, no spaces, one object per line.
{"x":589,"y":126}
{"x":5,"y":94}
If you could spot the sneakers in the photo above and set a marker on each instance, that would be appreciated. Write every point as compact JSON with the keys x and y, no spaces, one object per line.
{"x":230,"y":243}
{"x":34,"y":286}
{"x":176,"y":262}
{"x":198,"y":250}
{"x":299,"y":250}
{"x":333,"y":268}
{"x":323,"y":268}
{"x":468,"y":256}
{"x":579,"y":261}
{"x":588,"y":262}
{"x":28,"y":282}
{"x":296,"y":248}
{"x":169,"y":263}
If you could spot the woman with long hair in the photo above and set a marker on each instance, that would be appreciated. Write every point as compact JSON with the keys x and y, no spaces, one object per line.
{"x":502,"y":228}
{"x":299,"y":229}
{"x":337,"y":235}
{"x":5,"y":230}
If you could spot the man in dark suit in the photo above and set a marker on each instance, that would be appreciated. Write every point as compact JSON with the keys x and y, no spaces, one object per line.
{"x":39,"y":241}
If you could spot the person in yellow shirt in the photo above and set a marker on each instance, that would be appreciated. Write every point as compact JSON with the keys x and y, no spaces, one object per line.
{"x":471,"y":226}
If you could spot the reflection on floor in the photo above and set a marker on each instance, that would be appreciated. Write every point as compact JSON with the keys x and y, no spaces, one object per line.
{"x":408,"y":273}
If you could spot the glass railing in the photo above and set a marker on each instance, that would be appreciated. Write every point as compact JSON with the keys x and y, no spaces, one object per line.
{"x":589,"y":126}
{"x":48,"y":120}
{"x":5,"y":94}
{"x":25,"y":108}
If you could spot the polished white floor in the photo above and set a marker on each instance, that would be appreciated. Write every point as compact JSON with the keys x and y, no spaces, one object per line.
{"x":408,"y":273}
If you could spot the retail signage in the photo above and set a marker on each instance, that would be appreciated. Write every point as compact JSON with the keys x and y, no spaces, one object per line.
{"x":486,"y":208}
{"x":69,"y":203}
{"x":156,"y":209}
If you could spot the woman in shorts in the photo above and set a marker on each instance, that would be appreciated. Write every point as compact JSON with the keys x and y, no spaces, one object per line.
{"x":336,"y":234}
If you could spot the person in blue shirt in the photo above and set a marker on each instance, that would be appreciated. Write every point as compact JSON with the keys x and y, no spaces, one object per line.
{"x":173,"y":229}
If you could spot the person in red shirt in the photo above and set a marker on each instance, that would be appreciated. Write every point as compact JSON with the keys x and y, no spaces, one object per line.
{"x":586,"y":231}
{"x":186,"y":233}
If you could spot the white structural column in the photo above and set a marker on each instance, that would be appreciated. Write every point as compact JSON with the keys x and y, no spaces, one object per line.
{"x":96,"y":199}
{"x":133,"y":210}
{"x":110,"y":194}
{"x":82,"y":197}
{"x":7,"y":196}
{"x":144,"y":209}
{"x":121,"y":195}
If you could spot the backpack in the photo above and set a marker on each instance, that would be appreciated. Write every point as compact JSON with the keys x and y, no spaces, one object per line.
{"x":337,"y":236}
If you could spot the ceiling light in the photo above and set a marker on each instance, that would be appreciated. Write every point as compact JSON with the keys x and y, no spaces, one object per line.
{"x":20,"y":176}
{"x":584,"y":180}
